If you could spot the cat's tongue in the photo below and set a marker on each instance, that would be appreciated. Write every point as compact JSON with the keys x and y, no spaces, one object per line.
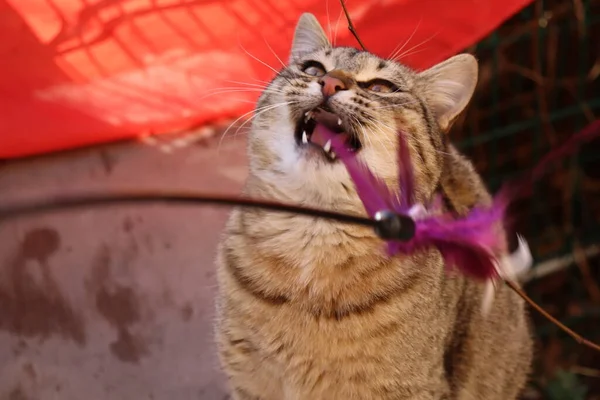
{"x":328,"y":125}
{"x":323,"y":134}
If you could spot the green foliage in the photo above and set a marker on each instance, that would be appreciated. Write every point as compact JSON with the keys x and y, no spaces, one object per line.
{"x":565,"y":386}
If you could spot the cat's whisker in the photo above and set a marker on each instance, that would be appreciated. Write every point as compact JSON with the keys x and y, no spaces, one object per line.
{"x":337,"y":24}
{"x":363,"y":129}
{"x":261,"y":81}
{"x":372,"y":136}
{"x":253,"y":87}
{"x":240,"y":90}
{"x":330,"y":35}
{"x":212,"y":91}
{"x":396,"y":50}
{"x":383,"y":137}
{"x":242,"y":100}
{"x":229,"y":92}
{"x":407,"y":52}
{"x":377,"y":124}
{"x":394,"y":106}
{"x":264,"y":85}
{"x":405,"y":102}
{"x":392,"y":142}
{"x":258,"y":111}
{"x":414,"y":52}
{"x":273,"y":51}
{"x":259,"y":60}
{"x":391,"y":139}
{"x":245,"y":85}
{"x":277,"y":73}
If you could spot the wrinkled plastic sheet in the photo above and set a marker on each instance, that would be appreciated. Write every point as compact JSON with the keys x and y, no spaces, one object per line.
{"x":82,"y":72}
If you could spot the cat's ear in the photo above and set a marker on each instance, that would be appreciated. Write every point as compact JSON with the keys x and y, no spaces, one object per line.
{"x":309,"y":37}
{"x":449,"y":87}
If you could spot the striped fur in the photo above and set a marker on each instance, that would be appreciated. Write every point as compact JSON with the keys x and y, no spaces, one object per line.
{"x":314,"y":310}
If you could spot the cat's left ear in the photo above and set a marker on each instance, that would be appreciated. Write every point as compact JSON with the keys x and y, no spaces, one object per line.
{"x":308,"y":37}
{"x":449,"y":87}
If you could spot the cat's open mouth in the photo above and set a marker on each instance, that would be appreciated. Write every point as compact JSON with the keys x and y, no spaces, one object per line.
{"x":306,"y":135}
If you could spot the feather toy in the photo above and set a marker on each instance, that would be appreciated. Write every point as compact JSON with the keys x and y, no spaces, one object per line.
{"x":473,"y":244}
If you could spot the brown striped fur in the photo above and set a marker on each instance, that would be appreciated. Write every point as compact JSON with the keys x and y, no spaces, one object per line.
{"x":315,"y":310}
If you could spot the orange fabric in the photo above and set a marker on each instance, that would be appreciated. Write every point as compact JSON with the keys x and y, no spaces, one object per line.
{"x":79,"y":72}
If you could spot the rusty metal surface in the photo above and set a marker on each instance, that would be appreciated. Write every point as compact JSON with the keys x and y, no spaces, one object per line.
{"x":113,"y":303}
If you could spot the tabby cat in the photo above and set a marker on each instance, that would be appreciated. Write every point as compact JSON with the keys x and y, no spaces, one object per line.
{"x":309,"y":309}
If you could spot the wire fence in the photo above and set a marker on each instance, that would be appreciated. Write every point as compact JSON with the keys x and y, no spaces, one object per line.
{"x":540,"y":84}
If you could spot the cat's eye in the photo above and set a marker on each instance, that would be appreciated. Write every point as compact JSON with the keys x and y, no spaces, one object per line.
{"x":380,"y":86}
{"x":313,"y":68}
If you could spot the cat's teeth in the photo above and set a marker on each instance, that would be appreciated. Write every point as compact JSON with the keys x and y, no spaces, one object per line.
{"x":327,"y":146}
{"x":339,"y":121}
{"x":304,"y":137}
{"x":308,"y":115}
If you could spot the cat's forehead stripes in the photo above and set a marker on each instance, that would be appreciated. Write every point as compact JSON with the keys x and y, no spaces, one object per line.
{"x":361,"y":64}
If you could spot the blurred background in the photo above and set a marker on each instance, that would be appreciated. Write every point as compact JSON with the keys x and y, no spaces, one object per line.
{"x":538,"y":86}
{"x":111,"y":95}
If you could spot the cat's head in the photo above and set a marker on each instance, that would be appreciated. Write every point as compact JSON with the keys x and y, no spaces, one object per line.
{"x":362,"y":96}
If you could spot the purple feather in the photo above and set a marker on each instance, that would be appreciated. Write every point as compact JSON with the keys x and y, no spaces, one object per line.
{"x":406,"y":173}
{"x":470,"y":244}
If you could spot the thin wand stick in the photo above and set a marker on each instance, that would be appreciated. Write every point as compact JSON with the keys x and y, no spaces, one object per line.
{"x":137,"y":197}
{"x":351,"y":25}
{"x":578,"y":338}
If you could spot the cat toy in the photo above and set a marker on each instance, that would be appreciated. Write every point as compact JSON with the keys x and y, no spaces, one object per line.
{"x":472,"y":244}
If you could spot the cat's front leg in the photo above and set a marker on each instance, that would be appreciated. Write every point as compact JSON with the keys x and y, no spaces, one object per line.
{"x":250,"y":376}
{"x":254,"y":386}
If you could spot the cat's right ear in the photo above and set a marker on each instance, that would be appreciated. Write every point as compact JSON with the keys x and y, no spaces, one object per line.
{"x":450,"y":86}
{"x":308,"y":37}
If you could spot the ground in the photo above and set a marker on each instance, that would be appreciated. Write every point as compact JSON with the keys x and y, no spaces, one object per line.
{"x":114,"y":302}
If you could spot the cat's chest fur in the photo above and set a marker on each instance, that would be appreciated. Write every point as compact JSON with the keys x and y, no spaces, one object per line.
{"x":326,"y":267}
{"x":354,"y":356}
{"x":343,"y":310}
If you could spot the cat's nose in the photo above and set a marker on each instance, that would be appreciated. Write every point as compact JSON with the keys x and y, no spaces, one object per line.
{"x":330,"y":85}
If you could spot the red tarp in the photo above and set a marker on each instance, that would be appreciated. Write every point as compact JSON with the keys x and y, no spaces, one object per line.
{"x":79,"y":72}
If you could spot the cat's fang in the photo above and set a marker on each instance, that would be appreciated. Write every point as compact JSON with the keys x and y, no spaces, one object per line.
{"x":304,"y":137}
{"x":331,"y":155}
{"x":327,"y":146}
{"x":339,"y":121}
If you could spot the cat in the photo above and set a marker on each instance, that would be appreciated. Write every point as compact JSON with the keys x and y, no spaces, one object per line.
{"x":309,"y":309}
